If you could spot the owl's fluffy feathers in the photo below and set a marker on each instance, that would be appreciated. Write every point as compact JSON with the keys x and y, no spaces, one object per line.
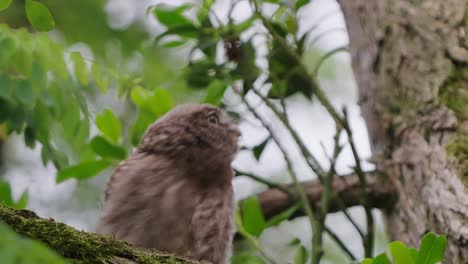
{"x":174,"y":193}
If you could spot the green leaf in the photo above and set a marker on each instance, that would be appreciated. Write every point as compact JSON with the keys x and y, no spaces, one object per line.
{"x":246,"y":258}
{"x":367,"y":261}
{"x":173,"y":44}
{"x":300,"y":256}
{"x":258,"y":150}
{"x":244,"y":25}
{"x":381,"y":259}
{"x":139,"y":96}
{"x":286,"y":214}
{"x":30,"y":136}
{"x":301,"y":3}
{"x":161,"y":102}
{"x":144,"y":119}
{"x":4,"y":4}
{"x":105,"y":149}
{"x":414,"y":254}
{"x":101,"y":79}
{"x":24,"y":92}
{"x":39,"y":16}
{"x":252,"y":216}
{"x":109,"y":125}
{"x":42,"y":121}
{"x":6,"y":86}
{"x":295,"y":242}
{"x":431,"y":249}
{"x":7,"y":46}
{"x":188,"y":31}
{"x":22,"y":202}
{"x":279,"y":29}
{"x":82,"y":170}
{"x":199,"y":74}
{"x":400,"y":253}
{"x":172,"y":16}
{"x":215,"y":92}
{"x":5,"y":193}
{"x":81,"y":73}
{"x":158,"y":103}
{"x":291,"y":24}
{"x":204,"y":10}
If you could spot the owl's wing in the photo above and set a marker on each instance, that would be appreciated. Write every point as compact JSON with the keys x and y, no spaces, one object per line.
{"x":212,"y":225}
{"x":148,"y":203}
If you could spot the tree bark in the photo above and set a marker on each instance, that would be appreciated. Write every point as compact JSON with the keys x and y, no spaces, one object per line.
{"x":410,"y":60}
{"x":381,"y":196}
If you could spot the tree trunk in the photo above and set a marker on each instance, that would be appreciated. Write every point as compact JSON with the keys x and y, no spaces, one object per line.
{"x":410,"y":60}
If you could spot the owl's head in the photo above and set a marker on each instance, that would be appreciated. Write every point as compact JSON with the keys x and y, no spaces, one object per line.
{"x":195,"y":132}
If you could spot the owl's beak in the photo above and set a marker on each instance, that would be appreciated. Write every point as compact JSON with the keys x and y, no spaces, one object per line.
{"x":233,"y":129}
{"x":231,"y":126}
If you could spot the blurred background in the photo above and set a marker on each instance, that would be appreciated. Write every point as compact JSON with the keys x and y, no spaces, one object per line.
{"x":119,"y":33}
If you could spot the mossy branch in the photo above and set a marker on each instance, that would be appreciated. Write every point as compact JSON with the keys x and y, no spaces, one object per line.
{"x":79,"y":246}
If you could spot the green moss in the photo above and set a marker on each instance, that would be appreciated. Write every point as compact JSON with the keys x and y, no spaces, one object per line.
{"x":454,"y":92}
{"x":458,"y":148}
{"x":79,"y":246}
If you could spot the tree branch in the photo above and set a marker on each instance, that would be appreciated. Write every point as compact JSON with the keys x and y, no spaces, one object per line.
{"x":79,"y":246}
{"x":379,"y":194}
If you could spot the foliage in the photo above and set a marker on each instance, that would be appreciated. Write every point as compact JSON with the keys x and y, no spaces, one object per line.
{"x":37,"y":13}
{"x":431,"y":251}
{"x":47,"y":90}
{"x":6,"y":197}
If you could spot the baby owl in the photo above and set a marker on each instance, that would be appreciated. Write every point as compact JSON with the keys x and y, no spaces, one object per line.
{"x":174,"y":193}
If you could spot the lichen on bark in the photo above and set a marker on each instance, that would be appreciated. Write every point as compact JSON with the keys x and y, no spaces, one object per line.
{"x":454,"y":92}
{"x":79,"y":246}
{"x":458,"y":148}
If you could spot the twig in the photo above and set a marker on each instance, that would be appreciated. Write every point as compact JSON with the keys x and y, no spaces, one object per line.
{"x":322,"y":34}
{"x":321,"y":19}
{"x":326,"y":197}
{"x":381,"y":194}
{"x":326,"y":56}
{"x":319,"y":93}
{"x":369,"y":240}
{"x":340,"y":243}
{"x":310,"y":158}
{"x":252,"y":240}
{"x":352,"y":221}
{"x":270,"y":184}
{"x":299,"y":187}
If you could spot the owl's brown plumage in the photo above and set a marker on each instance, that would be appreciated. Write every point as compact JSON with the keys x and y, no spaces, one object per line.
{"x":174,"y":193}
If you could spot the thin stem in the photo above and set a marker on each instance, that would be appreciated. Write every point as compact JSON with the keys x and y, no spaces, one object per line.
{"x":326,"y":56}
{"x":340,"y":243}
{"x":326,"y":196}
{"x":369,"y":240}
{"x":252,"y":240}
{"x":297,"y":184}
{"x":323,"y":99}
{"x":322,"y":34}
{"x":310,"y":158}
{"x":267,"y":182}
{"x":353,"y":222}
{"x":306,"y":153}
{"x":321,"y":19}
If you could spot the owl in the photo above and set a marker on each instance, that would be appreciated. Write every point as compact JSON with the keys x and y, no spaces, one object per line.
{"x":174,"y":193}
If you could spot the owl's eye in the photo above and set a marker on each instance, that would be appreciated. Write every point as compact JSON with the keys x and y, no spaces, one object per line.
{"x":213,"y":118}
